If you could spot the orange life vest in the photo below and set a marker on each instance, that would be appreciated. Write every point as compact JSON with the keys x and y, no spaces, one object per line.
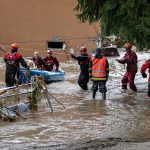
{"x":99,"y":68}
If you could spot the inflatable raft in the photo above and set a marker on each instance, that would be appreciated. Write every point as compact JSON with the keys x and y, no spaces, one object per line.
{"x":49,"y":76}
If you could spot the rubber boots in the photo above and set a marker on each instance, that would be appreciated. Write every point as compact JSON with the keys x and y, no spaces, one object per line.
{"x":93,"y":94}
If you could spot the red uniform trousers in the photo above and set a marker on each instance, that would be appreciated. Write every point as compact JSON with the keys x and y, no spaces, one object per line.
{"x":128,"y":78}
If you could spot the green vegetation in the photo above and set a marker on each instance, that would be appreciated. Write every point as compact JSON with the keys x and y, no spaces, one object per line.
{"x":129,"y":19}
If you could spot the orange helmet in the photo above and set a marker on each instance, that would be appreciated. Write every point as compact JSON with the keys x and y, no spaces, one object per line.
{"x":14,"y":46}
{"x":50,"y":51}
{"x":83,"y":49}
{"x":127,"y":45}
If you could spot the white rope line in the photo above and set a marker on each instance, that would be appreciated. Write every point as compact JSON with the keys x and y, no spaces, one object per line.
{"x":55,"y":51}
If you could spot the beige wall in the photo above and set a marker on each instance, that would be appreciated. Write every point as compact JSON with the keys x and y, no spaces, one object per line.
{"x":23,"y":21}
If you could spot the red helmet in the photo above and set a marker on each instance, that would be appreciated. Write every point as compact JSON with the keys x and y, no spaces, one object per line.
{"x":127,"y":45}
{"x":50,"y":51}
{"x":83,"y":49}
{"x":14,"y":46}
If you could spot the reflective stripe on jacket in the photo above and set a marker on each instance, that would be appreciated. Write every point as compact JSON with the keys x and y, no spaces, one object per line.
{"x":99,"y":68}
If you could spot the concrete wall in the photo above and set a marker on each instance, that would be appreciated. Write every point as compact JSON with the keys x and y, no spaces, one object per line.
{"x":31,"y":22}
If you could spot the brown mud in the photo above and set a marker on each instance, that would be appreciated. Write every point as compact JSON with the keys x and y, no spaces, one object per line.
{"x":101,"y":144}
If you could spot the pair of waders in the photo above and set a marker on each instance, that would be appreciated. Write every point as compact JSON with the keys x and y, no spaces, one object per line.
{"x":101,"y":86}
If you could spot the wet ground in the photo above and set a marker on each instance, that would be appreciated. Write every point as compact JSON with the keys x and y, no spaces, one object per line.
{"x":122,"y":122}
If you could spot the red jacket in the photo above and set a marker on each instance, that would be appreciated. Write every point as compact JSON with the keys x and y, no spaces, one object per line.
{"x":145,"y":66}
{"x":14,"y":59}
{"x":130,"y":58}
{"x":51,"y":61}
{"x":40,"y":63}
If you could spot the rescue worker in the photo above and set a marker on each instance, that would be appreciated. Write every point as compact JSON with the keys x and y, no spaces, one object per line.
{"x":51,"y":61}
{"x":38,"y":61}
{"x":83,"y":61}
{"x":145,"y":66}
{"x":99,"y":72}
{"x":130,"y":58}
{"x":13,"y":60}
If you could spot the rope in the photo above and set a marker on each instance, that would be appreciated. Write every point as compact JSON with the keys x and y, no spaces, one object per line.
{"x":62,"y":39}
{"x":57,"y":52}
{"x":38,"y":41}
{"x":56,"y":100}
{"x":38,"y":88}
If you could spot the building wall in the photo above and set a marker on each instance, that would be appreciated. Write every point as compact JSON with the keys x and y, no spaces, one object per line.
{"x":31,"y":22}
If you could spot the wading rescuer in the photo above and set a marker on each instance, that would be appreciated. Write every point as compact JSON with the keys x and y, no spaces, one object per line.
{"x":51,"y":61}
{"x":83,"y":61}
{"x":144,"y":67}
{"x":99,"y":72}
{"x":38,"y":61}
{"x":130,"y":58}
{"x":13,"y":60}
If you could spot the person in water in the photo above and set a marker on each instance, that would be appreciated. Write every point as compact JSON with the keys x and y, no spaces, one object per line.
{"x":83,"y":61}
{"x":51,"y":61}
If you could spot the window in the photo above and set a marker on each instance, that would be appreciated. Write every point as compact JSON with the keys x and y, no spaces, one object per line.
{"x":56,"y":45}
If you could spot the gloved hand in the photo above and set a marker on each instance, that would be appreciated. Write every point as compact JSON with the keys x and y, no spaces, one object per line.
{"x":27,"y":73}
{"x":144,"y":75}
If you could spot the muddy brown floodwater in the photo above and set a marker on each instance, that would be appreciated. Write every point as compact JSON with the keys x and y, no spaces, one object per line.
{"x":122,"y":122}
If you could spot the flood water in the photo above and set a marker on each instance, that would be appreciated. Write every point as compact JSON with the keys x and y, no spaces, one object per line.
{"x":121,"y":115}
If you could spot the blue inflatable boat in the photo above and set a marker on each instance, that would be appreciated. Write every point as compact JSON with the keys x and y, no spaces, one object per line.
{"x":49,"y":76}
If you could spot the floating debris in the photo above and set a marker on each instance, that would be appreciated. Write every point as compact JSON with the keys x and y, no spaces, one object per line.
{"x":11,"y":104}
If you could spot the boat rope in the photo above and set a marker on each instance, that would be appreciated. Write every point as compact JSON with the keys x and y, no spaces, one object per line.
{"x":56,"y":100}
